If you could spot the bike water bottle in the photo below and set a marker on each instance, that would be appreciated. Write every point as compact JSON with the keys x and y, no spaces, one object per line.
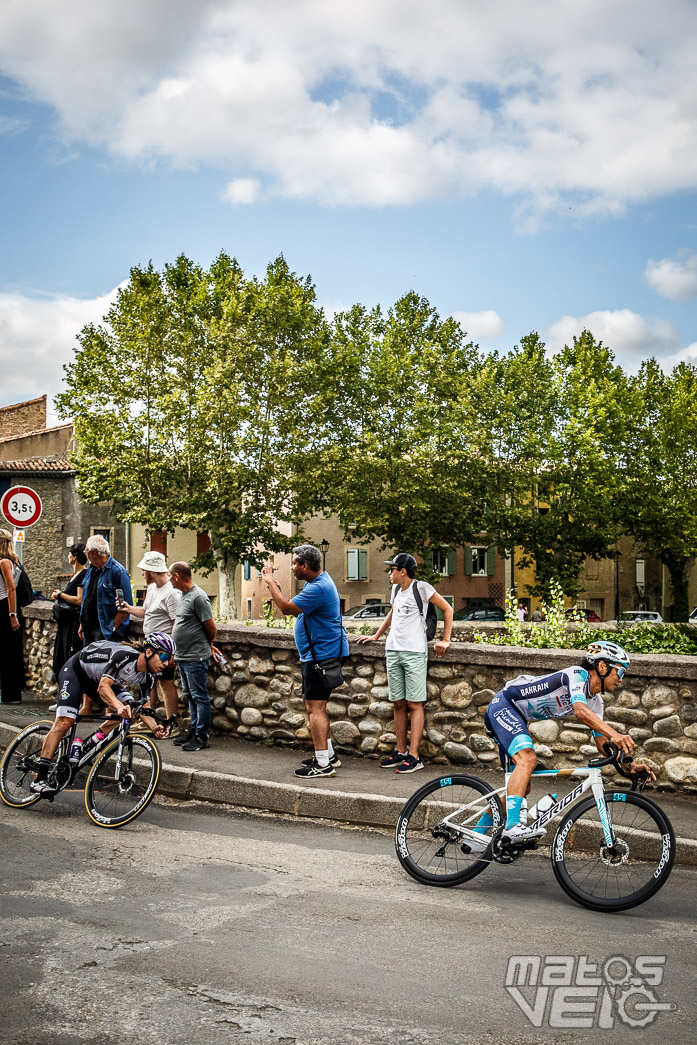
{"x":75,"y":751}
{"x":91,"y":741}
{"x":545,"y":803}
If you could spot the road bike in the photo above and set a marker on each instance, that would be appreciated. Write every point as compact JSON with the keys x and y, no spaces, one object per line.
{"x":124,"y":769}
{"x":611,"y":851}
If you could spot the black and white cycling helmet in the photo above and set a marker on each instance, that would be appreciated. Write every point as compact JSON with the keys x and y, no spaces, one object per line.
{"x":613,"y":655}
{"x":158,"y":642}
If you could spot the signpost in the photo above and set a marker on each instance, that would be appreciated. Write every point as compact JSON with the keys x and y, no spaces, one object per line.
{"x":21,"y":506}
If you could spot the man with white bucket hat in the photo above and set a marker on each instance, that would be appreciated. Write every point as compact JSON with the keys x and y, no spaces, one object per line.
{"x":157,"y":613}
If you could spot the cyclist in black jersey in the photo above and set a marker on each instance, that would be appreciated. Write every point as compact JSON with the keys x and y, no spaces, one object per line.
{"x":101,"y":672}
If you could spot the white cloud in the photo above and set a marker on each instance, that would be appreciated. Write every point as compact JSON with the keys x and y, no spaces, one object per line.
{"x":589,"y":105}
{"x":241,"y":190}
{"x":481,"y":326}
{"x":674,"y":278}
{"x":631,"y":337}
{"x":37,"y":337}
{"x":686,"y":355}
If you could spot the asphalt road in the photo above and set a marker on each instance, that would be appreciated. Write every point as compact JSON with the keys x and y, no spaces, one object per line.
{"x":198,"y":925}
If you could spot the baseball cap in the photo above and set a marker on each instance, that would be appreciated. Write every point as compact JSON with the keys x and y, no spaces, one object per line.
{"x":154,"y":562}
{"x":403,"y":561}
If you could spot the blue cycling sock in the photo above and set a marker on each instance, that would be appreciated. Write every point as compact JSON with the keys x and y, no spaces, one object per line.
{"x":484,"y":823}
{"x":513,"y":808}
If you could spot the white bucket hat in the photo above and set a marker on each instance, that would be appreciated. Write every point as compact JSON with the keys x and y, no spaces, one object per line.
{"x":154,"y":562}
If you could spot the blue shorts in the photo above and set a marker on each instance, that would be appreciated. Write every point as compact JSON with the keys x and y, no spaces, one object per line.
{"x":507,"y":724}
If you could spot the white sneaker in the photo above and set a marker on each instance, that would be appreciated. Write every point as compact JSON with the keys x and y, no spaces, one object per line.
{"x":521,"y":833}
{"x":53,"y":707}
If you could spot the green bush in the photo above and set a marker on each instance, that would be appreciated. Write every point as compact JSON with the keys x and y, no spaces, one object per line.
{"x":554,"y":633}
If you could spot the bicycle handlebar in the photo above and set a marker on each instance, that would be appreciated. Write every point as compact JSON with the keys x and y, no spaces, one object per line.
{"x":620,"y":761}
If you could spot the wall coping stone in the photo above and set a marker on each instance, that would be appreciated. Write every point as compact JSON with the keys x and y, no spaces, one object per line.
{"x":644,"y":665}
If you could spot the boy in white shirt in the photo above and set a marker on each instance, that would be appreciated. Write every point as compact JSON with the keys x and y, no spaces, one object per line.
{"x":406,"y":652}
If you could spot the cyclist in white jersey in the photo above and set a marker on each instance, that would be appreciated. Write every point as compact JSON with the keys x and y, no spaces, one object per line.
{"x":574,"y":691}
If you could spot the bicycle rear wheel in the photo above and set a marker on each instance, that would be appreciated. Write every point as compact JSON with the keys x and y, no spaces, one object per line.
{"x":119,"y":789}
{"x":20,"y":762}
{"x":614,"y":879}
{"x":443,"y":834}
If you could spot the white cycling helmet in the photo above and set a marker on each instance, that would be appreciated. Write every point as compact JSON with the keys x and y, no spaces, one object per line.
{"x":613,"y":655}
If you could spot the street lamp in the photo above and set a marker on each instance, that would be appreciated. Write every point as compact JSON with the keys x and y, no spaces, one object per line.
{"x":324,"y":548}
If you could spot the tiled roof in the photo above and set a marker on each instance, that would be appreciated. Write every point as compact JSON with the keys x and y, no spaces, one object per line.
{"x":27,"y":402}
{"x":38,"y":431}
{"x":54,"y":463}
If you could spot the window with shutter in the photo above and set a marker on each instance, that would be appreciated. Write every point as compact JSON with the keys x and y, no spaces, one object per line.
{"x":247,"y":570}
{"x":490,"y":562}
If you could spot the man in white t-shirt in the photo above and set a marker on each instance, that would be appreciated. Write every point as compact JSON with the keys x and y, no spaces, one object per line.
{"x":157,"y":613}
{"x":406,"y":652}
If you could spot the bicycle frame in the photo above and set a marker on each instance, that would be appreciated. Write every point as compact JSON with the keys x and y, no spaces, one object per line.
{"x":121,"y":731}
{"x":591,"y":779}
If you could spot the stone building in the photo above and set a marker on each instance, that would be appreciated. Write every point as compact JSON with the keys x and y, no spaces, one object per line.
{"x":34,"y":455}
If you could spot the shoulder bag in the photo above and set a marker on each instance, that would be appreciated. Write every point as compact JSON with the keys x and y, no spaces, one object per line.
{"x":329,"y":669}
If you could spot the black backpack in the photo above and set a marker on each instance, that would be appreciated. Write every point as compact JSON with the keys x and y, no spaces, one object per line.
{"x":431,"y":621}
{"x":25,"y":591}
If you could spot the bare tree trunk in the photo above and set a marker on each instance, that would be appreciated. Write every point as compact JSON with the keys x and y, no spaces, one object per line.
{"x":227,"y":569}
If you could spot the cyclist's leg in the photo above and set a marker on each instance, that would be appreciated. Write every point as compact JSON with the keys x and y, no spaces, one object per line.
{"x":69,"y":700}
{"x":511,"y":731}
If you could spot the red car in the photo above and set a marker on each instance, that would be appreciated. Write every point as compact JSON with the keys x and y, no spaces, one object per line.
{"x":578,"y":613}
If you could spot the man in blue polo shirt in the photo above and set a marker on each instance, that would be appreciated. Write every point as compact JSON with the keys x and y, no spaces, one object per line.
{"x":318,"y":609}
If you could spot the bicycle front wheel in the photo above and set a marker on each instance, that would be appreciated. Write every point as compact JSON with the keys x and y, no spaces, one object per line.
{"x":443,"y":834}
{"x":122,"y":781}
{"x":20,"y":763}
{"x":614,"y":878}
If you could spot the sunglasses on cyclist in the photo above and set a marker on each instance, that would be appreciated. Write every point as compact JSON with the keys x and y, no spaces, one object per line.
{"x":164,"y":657}
{"x":621,"y":670}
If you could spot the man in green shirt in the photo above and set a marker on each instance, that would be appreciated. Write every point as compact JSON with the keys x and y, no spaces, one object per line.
{"x":194,"y":629}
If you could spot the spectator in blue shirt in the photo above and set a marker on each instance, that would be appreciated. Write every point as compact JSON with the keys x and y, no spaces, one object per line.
{"x":318,"y":607}
{"x":99,"y":616}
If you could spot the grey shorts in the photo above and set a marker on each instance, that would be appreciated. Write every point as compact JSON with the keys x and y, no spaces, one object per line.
{"x":406,"y":675}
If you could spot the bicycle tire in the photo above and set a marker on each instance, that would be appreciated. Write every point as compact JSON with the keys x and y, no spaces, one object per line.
{"x":438,"y":859}
{"x":19,"y":765}
{"x":112,"y":802}
{"x":600,"y":880}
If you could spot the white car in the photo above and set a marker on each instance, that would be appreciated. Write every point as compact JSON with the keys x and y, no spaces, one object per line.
{"x":639,"y":617}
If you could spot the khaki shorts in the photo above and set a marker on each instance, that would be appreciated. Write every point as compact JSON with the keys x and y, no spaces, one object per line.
{"x":406,"y":675}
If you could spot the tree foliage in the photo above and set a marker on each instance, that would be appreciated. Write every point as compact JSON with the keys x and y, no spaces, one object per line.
{"x":199,"y":402}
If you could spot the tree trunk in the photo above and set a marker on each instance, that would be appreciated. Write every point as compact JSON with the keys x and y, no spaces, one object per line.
{"x":679,"y":571}
{"x":227,"y":569}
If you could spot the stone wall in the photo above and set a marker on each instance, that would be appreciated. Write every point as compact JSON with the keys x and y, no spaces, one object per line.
{"x":257,"y":695}
{"x":19,"y":418}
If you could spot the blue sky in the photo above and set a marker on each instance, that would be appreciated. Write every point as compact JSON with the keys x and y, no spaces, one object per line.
{"x":526,"y":166}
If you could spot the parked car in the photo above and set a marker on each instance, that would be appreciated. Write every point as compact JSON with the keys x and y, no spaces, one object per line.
{"x":479,"y":614}
{"x":638,"y":617}
{"x":580,"y":613}
{"x":367,"y":612}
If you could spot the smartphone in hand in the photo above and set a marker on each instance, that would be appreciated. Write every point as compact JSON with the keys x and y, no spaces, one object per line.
{"x":119,"y":598}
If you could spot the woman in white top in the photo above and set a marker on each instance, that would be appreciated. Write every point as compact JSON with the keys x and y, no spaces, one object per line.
{"x":12,"y":652}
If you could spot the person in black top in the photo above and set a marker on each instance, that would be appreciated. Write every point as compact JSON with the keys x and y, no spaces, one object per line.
{"x":66,"y":610}
{"x":102,"y":671}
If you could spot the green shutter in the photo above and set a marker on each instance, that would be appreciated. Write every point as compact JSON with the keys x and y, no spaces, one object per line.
{"x":352,"y":565}
{"x":490,"y":562}
{"x":428,"y":561}
{"x":247,"y":570}
{"x":468,"y":562}
{"x":451,"y":562}
{"x":362,"y":564}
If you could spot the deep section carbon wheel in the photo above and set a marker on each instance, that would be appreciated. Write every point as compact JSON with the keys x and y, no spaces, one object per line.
{"x":617,"y":877}
{"x":443,"y":834}
{"x":122,"y":781}
{"x":19,"y":765}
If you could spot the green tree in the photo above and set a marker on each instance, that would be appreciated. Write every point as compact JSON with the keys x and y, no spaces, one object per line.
{"x":200,"y":402}
{"x":403,"y":466}
{"x":661,"y":504}
{"x":556,"y":446}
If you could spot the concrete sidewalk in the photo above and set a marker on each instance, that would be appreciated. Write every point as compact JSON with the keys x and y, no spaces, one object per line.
{"x":259,"y":777}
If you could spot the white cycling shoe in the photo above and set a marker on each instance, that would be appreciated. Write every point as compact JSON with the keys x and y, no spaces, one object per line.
{"x":522,"y":833}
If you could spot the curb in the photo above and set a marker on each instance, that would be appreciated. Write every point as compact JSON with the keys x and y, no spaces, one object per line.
{"x":344,"y":807}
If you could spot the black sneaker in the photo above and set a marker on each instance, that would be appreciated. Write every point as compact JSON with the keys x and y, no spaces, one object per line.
{"x":333,"y":761}
{"x":395,"y":759}
{"x":184,"y":738}
{"x":197,"y":743}
{"x":315,"y":769}
{"x":409,"y":765}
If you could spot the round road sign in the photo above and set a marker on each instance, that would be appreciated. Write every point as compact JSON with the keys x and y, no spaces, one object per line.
{"x":21,"y":506}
